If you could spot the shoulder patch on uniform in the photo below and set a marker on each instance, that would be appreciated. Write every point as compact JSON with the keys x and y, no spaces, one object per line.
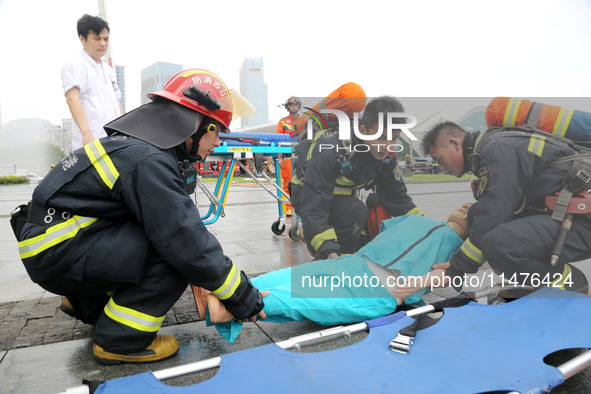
{"x":397,"y":174}
{"x":482,"y":181}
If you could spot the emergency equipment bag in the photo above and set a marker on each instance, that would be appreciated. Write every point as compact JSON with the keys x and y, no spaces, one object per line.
{"x":561,"y":122}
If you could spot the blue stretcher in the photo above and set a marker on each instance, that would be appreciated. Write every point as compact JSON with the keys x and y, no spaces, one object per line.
{"x":474,"y":348}
{"x":237,"y":148}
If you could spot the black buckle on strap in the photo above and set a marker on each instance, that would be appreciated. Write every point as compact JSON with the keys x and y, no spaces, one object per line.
{"x":46,"y":215}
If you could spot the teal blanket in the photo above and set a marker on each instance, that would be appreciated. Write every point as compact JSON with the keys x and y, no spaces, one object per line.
{"x":344,"y":290}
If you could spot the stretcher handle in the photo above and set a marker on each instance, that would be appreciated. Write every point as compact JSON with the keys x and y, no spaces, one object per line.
{"x":251,"y":140}
{"x":294,"y":342}
{"x":572,"y":366}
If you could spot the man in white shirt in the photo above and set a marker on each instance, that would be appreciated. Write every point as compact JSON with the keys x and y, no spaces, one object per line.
{"x":90,"y":84}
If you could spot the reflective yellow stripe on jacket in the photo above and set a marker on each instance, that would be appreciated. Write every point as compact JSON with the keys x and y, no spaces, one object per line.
{"x":536,"y":144}
{"x":132,"y":318}
{"x":345,"y":186}
{"x":227,"y":289}
{"x":472,"y":251}
{"x":319,"y":239}
{"x":287,"y":126}
{"x":313,"y":144}
{"x":343,"y":191}
{"x":102,"y":163}
{"x":54,"y":235}
{"x":415,"y":211}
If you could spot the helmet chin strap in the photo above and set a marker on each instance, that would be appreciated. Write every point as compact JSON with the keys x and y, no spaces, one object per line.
{"x":201,"y":130}
{"x":195,"y":146}
{"x":192,"y":154}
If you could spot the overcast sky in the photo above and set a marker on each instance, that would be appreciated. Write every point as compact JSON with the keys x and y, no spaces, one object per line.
{"x":404,"y":48}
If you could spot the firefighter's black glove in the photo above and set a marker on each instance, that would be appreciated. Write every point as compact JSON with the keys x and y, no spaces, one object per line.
{"x":246,"y":301}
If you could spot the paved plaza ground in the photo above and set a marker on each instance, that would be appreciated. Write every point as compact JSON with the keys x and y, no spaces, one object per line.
{"x":42,"y":350}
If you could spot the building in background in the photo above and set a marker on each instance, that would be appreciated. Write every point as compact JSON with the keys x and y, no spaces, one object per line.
{"x":57,"y":136}
{"x":254,"y":88}
{"x":120,"y":74}
{"x":67,"y":129}
{"x":155,"y":77}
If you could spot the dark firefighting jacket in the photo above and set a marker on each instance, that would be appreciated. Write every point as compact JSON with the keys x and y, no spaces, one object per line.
{"x":323,"y":171}
{"x":514,"y":173}
{"x":110,"y":202}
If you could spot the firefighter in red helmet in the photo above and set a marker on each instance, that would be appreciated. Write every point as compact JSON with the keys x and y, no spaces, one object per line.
{"x":114,"y":230}
{"x":287,"y":126}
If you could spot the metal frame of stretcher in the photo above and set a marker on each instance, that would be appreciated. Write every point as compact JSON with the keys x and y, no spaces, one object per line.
{"x":232,"y":155}
{"x":568,"y":369}
{"x":292,"y":343}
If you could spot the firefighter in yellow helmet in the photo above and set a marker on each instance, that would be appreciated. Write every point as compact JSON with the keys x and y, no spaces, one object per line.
{"x":113,"y":228}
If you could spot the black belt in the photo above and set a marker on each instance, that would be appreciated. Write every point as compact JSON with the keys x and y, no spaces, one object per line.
{"x":46,"y":215}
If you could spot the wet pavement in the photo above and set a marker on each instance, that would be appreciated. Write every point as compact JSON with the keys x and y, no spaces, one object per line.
{"x":42,"y":350}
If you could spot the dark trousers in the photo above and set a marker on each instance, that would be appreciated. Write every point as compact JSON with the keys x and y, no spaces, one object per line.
{"x":524,"y":246}
{"x":155,"y":292}
{"x":347,"y":216}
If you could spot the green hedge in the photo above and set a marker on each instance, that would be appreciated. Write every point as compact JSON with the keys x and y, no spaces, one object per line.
{"x":13,"y":180}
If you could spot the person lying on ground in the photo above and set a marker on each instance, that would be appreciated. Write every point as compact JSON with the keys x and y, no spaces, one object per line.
{"x":351,"y":288}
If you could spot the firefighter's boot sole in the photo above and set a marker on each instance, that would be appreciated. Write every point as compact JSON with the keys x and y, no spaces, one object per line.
{"x":162,"y":348}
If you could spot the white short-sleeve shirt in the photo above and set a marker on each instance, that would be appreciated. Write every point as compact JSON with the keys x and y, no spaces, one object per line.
{"x":99,"y":93}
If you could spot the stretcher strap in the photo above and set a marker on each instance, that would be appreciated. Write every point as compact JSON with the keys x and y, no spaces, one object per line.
{"x":534,"y":115}
{"x":457,"y":301}
{"x":405,"y":338}
{"x":561,"y":204}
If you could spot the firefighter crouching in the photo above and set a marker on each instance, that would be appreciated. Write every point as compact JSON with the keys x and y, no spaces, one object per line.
{"x":113,"y":228}
{"x":330,"y":173}
{"x":515,"y":172}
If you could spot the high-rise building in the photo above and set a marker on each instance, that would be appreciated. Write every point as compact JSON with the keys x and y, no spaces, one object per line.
{"x":56,"y":135}
{"x":254,"y":88}
{"x":155,"y":77}
{"x":120,"y":74}
{"x":67,"y":129}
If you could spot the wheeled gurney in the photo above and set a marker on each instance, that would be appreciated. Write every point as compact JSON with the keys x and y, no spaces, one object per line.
{"x":471,"y":349}
{"x":237,"y":148}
